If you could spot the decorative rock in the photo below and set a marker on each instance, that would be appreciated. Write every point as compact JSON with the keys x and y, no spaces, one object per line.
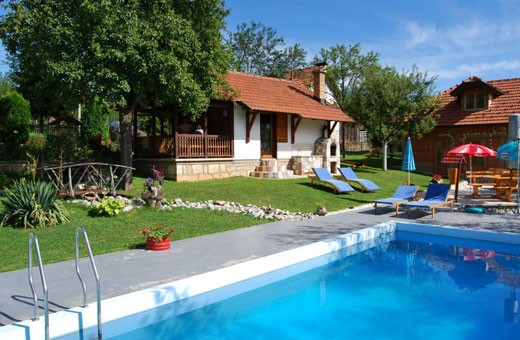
{"x":231,"y":207}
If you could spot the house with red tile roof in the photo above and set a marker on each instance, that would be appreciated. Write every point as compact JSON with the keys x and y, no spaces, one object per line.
{"x":474,"y":111}
{"x":352,"y":138}
{"x":264,"y":127}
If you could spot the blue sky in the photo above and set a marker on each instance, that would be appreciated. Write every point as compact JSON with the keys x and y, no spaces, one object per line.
{"x":451,"y":39}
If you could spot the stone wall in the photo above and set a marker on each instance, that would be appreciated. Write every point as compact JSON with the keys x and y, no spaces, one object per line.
{"x":197,"y":170}
{"x":302,"y":165}
{"x":12,"y":166}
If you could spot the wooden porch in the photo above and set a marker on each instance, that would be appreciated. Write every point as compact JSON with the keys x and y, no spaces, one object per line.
{"x":184,"y":146}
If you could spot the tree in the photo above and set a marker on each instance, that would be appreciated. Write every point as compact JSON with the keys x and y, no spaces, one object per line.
{"x":129,"y":53}
{"x":391,"y":105}
{"x":258,"y":49}
{"x":15,"y":115}
{"x":6,"y":84}
{"x":345,"y":67}
{"x":290,"y":59}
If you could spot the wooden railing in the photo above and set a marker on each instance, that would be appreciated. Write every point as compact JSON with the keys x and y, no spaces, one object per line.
{"x":186,"y":146}
{"x":71,"y":178}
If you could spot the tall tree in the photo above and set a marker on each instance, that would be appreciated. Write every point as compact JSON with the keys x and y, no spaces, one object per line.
{"x":259,"y":49}
{"x":128,"y":52}
{"x":289,"y":59}
{"x":6,"y":84}
{"x":391,"y":105}
{"x":345,"y":67}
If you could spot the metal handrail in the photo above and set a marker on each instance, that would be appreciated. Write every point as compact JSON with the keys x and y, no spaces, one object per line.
{"x":98,"y":286}
{"x":34,"y":239}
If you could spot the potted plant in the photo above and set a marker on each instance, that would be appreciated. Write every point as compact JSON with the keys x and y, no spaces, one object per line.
{"x":320,"y":209}
{"x":158,"y":237}
{"x":152,"y":192}
{"x":437,"y":179}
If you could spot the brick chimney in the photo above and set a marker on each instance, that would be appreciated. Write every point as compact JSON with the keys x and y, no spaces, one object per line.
{"x":319,"y":81}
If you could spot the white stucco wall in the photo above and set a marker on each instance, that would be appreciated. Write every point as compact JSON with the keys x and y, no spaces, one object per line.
{"x":243,"y":150}
{"x":308,"y":132}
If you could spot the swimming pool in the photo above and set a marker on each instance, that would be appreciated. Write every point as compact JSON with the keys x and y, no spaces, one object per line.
{"x":202,"y":295}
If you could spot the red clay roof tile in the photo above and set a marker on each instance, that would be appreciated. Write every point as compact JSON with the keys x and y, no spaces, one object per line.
{"x":267,"y":94}
{"x":498,"y":111}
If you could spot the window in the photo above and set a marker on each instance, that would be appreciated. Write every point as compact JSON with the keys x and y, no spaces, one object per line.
{"x":475,"y":101}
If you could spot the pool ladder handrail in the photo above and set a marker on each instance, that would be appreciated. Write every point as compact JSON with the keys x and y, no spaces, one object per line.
{"x":96,"y":275}
{"x":34,"y":239}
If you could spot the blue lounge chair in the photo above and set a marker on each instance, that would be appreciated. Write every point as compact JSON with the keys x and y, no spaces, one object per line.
{"x":436,"y":196}
{"x":323,"y":176}
{"x":402,"y":194}
{"x":350,"y":176}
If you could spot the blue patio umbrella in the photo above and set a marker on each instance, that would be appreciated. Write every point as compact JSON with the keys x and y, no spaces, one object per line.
{"x":408,"y":160}
{"x":509,"y":152}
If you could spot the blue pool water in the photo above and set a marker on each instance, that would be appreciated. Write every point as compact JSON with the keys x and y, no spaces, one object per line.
{"x":416,"y":287}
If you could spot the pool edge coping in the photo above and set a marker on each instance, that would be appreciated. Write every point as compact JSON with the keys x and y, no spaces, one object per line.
{"x":64,"y":324}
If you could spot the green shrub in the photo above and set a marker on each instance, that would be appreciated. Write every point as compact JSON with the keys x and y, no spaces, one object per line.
{"x":36,"y":143}
{"x":32,"y":204}
{"x":65,"y":147}
{"x":15,"y":115}
{"x":5,"y":181}
{"x":108,"y":207}
{"x":94,"y":125}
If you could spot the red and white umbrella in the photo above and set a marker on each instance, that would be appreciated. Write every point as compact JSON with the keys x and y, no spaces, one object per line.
{"x":471,"y":150}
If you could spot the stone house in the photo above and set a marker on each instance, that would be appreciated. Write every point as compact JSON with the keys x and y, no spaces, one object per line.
{"x":270,"y":128}
{"x":474,"y":111}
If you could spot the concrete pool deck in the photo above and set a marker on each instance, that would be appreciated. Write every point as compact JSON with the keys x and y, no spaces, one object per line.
{"x":132,"y":270}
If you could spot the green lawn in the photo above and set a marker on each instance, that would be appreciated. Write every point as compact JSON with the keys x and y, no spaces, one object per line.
{"x":122,"y":232}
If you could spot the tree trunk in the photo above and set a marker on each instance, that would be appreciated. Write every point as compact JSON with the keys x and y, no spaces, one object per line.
{"x":125,"y":126}
{"x":385,"y":152}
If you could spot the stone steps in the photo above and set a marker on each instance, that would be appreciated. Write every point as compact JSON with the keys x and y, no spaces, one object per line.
{"x":269,"y":168}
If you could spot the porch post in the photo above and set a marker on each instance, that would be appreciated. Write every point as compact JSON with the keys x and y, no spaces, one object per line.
{"x":250,"y":120}
{"x":295,"y":122}
{"x":175,"y":136}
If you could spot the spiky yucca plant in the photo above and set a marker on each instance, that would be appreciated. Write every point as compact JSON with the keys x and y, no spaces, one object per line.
{"x":32,"y":204}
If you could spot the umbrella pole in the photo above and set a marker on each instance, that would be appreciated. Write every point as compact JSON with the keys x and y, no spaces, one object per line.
{"x":471,"y":176}
{"x":457,"y":179}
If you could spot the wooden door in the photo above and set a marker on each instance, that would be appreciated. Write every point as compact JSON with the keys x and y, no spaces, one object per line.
{"x":267,"y":136}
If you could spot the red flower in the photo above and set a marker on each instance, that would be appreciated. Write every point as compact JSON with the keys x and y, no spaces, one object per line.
{"x":157,"y":233}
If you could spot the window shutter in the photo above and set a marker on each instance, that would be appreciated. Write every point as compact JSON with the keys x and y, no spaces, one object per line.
{"x":281,"y":128}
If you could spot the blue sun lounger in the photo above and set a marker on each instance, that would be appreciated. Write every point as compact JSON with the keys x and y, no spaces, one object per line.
{"x":436,"y":196}
{"x":402,"y":194}
{"x":350,"y":176}
{"x":323,"y":176}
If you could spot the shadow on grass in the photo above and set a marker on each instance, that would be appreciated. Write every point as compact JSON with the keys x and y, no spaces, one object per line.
{"x":321,"y":187}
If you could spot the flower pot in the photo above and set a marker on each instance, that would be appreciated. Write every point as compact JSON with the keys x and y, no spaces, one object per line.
{"x":321,"y":211}
{"x":153,"y":200}
{"x":161,"y":245}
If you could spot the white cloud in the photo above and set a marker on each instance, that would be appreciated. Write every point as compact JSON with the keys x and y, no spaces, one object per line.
{"x":420,"y":34}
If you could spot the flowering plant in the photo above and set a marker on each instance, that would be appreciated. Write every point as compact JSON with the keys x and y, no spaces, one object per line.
{"x":157,"y":233}
{"x":154,"y":182}
{"x":36,"y":143}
